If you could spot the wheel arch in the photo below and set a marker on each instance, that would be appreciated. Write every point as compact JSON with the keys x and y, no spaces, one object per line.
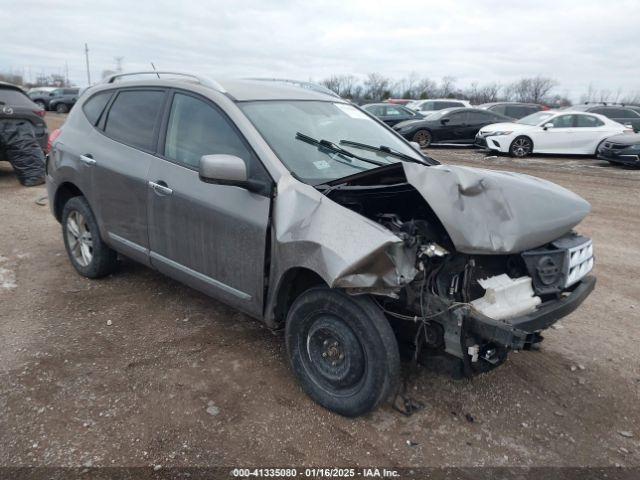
{"x":64,"y":193}
{"x":292,"y":283}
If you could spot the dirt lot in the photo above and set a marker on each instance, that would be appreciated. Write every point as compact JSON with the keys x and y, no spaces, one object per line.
{"x":136,"y":369}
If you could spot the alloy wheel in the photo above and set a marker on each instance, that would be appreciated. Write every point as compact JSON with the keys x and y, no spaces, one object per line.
{"x":521,"y":147}
{"x":423,"y":138}
{"x":79,"y":239}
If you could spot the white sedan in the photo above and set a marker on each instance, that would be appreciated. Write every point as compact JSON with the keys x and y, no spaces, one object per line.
{"x":550,"y":132}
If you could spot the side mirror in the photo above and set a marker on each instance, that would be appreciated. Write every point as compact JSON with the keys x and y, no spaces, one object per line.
{"x":444,"y":121}
{"x":547,"y":126}
{"x":225,"y":169}
{"x":416,"y":145}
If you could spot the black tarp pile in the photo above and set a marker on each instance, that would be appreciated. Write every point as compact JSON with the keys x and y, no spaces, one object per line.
{"x":19,"y":147}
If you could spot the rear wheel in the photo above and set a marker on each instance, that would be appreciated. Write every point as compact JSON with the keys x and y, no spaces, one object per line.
{"x":423,"y":138}
{"x":41,"y":104}
{"x":62,"y":108}
{"x":521,"y":147}
{"x":342,"y":350}
{"x":89,"y":255}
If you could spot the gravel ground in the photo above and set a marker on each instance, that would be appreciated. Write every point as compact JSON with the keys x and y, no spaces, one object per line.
{"x":136,"y":369}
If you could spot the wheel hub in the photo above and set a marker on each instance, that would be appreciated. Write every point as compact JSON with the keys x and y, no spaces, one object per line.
{"x":334,"y":354}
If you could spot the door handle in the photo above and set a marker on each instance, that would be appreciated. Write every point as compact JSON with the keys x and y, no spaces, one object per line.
{"x":87,"y":159}
{"x":160,"y":188}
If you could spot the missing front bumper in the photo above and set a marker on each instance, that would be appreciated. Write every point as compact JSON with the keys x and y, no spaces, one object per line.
{"x":519,"y":332}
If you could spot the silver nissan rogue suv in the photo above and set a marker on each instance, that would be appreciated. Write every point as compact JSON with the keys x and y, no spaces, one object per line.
{"x":304,"y":211}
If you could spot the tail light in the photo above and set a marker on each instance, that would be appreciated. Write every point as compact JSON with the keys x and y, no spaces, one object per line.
{"x":52,"y":138}
{"x":41,"y":113}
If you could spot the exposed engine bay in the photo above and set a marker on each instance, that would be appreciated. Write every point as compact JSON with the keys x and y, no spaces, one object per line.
{"x":475,"y":307}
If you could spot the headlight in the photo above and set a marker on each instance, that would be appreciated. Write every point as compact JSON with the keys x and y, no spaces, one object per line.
{"x":502,"y":132}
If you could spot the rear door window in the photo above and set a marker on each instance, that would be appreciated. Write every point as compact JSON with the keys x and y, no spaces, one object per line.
{"x":585,"y":121}
{"x":479,"y":117}
{"x":133,"y":117}
{"x":95,"y":105}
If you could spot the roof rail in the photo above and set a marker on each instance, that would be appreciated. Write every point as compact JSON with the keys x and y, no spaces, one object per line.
{"x":299,"y":83}
{"x":607,"y":104}
{"x":202,"y":80}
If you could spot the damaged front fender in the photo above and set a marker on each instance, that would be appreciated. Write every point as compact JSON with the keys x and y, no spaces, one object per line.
{"x":344,"y":248}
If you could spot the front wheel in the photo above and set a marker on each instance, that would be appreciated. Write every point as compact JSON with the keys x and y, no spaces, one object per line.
{"x":521,"y":147}
{"x":423,"y":138}
{"x":89,"y":255}
{"x":62,"y":108}
{"x":342,"y":350}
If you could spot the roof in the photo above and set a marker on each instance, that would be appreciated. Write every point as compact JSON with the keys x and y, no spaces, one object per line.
{"x":238,"y":89}
{"x":491,"y":104}
{"x":11,"y":86}
{"x":275,"y":89}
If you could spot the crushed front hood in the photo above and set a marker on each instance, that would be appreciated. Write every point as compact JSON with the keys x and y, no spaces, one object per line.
{"x":486,"y":211}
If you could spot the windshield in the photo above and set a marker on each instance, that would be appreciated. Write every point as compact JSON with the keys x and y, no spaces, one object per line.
{"x":279,"y":122}
{"x":536,"y":118}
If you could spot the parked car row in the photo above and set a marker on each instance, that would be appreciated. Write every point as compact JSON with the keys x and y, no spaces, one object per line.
{"x":589,"y":129}
{"x":55,"y":99}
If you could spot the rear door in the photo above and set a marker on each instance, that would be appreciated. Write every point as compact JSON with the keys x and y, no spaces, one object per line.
{"x":475,"y":121}
{"x":589,"y":132}
{"x":120,"y":160}
{"x":454,"y":130}
{"x":212,"y":237}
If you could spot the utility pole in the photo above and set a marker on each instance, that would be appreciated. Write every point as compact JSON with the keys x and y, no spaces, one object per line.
{"x":86,"y":54}
{"x":66,"y":74}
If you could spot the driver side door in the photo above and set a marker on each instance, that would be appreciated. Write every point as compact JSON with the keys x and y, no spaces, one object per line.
{"x":212,"y":237}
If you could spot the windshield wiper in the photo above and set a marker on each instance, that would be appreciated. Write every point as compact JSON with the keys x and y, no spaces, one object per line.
{"x":383,"y":148}
{"x":335,"y":148}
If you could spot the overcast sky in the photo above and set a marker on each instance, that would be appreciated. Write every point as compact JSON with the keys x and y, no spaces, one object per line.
{"x":576,"y":42}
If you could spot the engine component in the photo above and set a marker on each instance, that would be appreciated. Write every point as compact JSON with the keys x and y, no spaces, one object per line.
{"x":506,"y":297}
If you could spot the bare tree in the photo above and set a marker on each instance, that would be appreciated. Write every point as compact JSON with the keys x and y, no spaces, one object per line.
{"x":447,"y":87}
{"x":534,"y":89}
{"x":478,"y":94}
{"x":376,"y":87}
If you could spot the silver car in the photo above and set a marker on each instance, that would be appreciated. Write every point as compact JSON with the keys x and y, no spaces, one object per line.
{"x":304,"y":211}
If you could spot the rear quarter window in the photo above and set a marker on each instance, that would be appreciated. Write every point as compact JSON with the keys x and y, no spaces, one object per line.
{"x":133,"y":117}
{"x":94,"y":106}
{"x":14,"y":98}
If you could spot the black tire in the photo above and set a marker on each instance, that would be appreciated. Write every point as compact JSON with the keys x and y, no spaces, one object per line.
{"x":521,"y":147}
{"x":423,"y":138}
{"x":598,"y":147}
{"x":342,"y":350}
{"x":62,"y":108}
{"x":103,"y":260}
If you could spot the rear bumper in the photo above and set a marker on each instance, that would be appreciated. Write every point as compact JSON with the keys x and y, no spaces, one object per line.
{"x":516,"y":333}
